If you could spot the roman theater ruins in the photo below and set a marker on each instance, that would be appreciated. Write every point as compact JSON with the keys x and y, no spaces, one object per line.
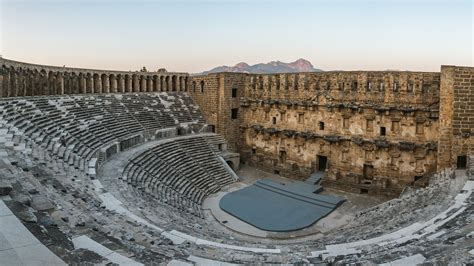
{"x":140,"y":168}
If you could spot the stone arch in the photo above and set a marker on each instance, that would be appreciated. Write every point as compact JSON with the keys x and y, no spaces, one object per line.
{"x":180,"y":83}
{"x":97,"y":83}
{"x":202,"y":86}
{"x":135,"y":83}
{"x":174,"y":85}
{"x":167,"y":83}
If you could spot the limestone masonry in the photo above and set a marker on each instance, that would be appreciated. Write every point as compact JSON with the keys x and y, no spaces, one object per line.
{"x":370,"y":131}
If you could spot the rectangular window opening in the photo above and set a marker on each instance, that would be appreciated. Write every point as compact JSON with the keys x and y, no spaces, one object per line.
{"x":321,"y":125}
{"x":234,"y":113}
{"x":461,"y":162}
{"x":301,"y":118}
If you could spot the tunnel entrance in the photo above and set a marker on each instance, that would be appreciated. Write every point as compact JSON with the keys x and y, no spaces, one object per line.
{"x":231,"y":164}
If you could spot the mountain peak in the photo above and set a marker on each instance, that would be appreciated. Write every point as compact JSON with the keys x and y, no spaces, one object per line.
{"x":300,"y":65}
{"x":242,"y":65}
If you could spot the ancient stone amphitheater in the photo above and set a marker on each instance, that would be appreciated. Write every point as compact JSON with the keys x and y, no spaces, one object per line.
{"x":103,"y":166}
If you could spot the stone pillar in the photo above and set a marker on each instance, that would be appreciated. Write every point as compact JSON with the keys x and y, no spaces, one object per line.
{"x":143,"y":83}
{"x":129,"y":84}
{"x":113,"y":83}
{"x":149,"y":87}
{"x":82,"y":84}
{"x":121,"y":84}
{"x":14,"y":84}
{"x":51,"y":85}
{"x":89,"y":84}
{"x":105,"y":84}
{"x":446,"y":100}
{"x":97,"y":84}
{"x":60,"y":87}
{"x":160,"y":83}
{"x":45,"y":84}
{"x":136,"y":85}
{"x":29,"y":83}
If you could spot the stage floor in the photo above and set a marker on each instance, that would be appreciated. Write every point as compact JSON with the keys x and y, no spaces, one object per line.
{"x":274,"y":206}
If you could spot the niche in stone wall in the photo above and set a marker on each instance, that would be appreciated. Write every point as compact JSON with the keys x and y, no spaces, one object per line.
{"x":282,"y":156}
{"x":395,"y":127}
{"x":410,"y":87}
{"x":394,"y":154}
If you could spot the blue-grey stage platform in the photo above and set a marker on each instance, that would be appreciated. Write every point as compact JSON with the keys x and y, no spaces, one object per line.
{"x":272,"y":206}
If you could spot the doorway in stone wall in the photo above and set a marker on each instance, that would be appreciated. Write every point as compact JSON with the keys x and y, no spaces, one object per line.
{"x":368,"y":171}
{"x":461,"y":162}
{"x":322,"y":163}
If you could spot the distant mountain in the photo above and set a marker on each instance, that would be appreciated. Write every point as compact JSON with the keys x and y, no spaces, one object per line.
{"x":300,"y":65}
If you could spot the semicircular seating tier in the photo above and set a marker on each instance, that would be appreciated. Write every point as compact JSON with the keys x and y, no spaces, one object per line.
{"x":180,"y":171}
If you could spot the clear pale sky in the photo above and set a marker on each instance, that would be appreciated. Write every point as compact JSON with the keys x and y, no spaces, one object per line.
{"x":193,"y":36}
